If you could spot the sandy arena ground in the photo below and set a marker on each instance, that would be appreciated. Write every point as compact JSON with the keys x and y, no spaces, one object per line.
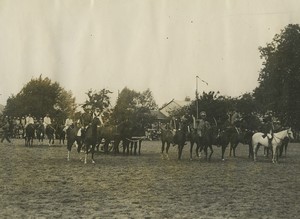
{"x":39,"y":182}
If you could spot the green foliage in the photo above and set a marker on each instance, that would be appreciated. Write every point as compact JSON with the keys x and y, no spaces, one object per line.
{"x":40,"y":96}
{"x":97,"y":99}
{"x":279,"y":78}
{"x":134,"y":107}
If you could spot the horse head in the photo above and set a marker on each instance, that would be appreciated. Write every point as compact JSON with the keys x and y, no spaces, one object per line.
{"x":290,"y":134}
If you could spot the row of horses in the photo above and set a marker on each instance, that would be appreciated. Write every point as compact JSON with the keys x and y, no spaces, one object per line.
{"x":131,"y":138}
{"x":222,"y":138}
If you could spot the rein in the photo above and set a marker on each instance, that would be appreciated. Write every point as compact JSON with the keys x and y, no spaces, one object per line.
{"x":281,"y":139}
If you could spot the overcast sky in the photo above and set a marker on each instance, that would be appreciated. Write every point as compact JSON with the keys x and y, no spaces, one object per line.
{"x":155,"y":44}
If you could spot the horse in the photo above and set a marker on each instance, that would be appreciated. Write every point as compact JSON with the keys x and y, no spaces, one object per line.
{"x":110,"y":135}
{"x":278,"y":137}
{"x":180,"y":136}
{"x":72,"y":137}
{"x":137,"y":134}
{"x":194,"y":138}
{"x":166,"y":138}
{"x":283,"y":146}
{"x":50,"y":134}
{"x":237,"y":136}
{"x":61,"y":133}
{"x":40,"y":133}
{"x":90,"y":139}
{"x":214,"y":136}
{"x":29,"y":130}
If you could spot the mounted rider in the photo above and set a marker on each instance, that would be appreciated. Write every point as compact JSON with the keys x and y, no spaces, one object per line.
{"x":68,"y":124}
{"x":46,"y":121}
{"x":85,"y":120}
{"x":29,"y":120}
{"x":269,"y":127}
{"x":201,"y":124}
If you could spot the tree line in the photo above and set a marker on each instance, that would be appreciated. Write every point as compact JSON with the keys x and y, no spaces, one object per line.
{"x":278,"y":91}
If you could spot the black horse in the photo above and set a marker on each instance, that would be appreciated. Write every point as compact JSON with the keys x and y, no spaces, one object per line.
{"x":60,"y":134}
{"x":194,"y":138}
{"x":107,"y":135}
{"x":40,"y":133}
{"x":240,"y":136}
{"x":168,"y":137}
{"x":50,"y":131}
{"x":214,"y":136}
{"x":29,"y":135}
{"x":73,"y":137}
{"x":166,"y":140}
{"x":137,"y":134}
{"x":90,"y":139}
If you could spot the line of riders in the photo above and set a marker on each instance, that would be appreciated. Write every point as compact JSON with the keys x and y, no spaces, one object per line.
{"x":15,"y":127}
{"x":267,"y":125}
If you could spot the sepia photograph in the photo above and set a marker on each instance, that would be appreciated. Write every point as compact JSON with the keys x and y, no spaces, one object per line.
{"x":150,"y":109}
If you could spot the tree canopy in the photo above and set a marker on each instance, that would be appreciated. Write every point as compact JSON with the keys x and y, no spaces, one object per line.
{"x":40,"y":96}
{"x":279,"y":77}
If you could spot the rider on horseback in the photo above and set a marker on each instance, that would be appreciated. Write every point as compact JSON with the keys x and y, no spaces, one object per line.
{"x":85,"y":120}
{"x":201,"y":124}
{"x":28,"y":121}
{"x":68,"y":124}
{"x":269,"y":127}
{"x":47,"y":121}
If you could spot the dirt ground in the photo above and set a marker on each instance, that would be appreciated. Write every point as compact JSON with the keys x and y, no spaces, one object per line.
{"x":39,"y":182}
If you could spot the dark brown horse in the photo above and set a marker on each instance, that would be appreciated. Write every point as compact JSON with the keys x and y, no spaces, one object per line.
{"x":194,"y":138}
{"x":50,"y":132}
{"x":214,"y":136}
{"x":166,"y":140}
{"x":29,"y":131}
{"x":90,"y":139}
{"x":240,"y":136}
{"x":74,"y":136}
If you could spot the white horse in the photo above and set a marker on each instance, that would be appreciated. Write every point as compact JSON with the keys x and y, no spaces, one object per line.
{"x":258,"y":139}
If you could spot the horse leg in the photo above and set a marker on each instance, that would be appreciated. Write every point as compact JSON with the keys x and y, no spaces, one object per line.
{"x":167,"y":150}
{"x":250,"y":155}
{"x":140,"y":146}
{"x":179,"y":151}
{"x":234,"y":147}
{"x":255,"y":149}
{"x":93,"y":152}
{"x":223,"y":151}
{"x":191,"y":150}
{"x":162,"y":149}
{"x":285,"y":148}
{"x":135,"y":145}
{"x":211,"y":152}
{"x":230,"y":149}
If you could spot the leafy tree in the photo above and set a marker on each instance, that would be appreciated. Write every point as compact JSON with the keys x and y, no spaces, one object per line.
{"x":40,"y":96}
{"x":134,"y":107}
{"x":279,"y":78}
{"x":147,"y":100}
{"x":216,"y":107}
{"x":97,"y":99}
